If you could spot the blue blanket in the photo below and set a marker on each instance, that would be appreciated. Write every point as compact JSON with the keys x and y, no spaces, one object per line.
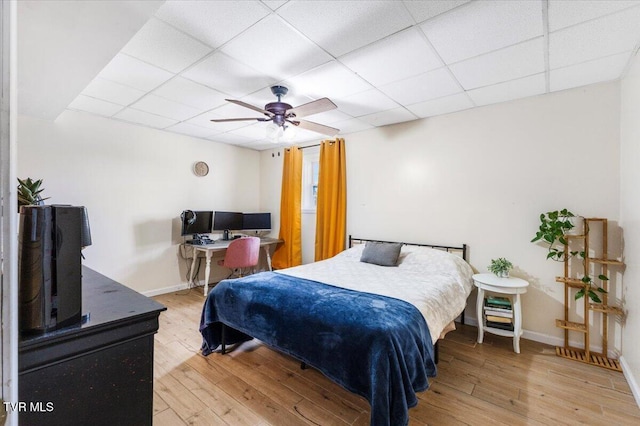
{"x":378,"y":347}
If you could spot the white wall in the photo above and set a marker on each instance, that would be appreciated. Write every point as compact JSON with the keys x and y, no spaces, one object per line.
{"x":483,"y":177}
{"x":134,"y":181}
{"x":630,"y":221}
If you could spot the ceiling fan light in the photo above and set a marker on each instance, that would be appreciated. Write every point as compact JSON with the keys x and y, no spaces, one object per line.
{"x":289,"y":133}
{"x":272,"y":130}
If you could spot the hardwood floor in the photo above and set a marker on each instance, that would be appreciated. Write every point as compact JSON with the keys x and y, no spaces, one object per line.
{"x":484,"y":384}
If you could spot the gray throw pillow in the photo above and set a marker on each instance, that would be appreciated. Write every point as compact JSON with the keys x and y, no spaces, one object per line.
{"x":383,"y":254}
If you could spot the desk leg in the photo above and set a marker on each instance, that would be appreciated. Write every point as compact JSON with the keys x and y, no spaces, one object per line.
{"x":266,"y":252}
{"x":194,"y":253}
{"x":207,"y":271}
{"x":479,"y":306}
{"x":517,"y":326}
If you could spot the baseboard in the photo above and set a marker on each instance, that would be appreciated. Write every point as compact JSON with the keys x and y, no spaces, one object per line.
{"x":631,"y":380}
{"x":165,"y":290}
{"x":543,"y":338}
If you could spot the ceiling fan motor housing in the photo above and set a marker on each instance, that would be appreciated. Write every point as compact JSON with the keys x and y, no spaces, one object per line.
{"x":278,"y":109}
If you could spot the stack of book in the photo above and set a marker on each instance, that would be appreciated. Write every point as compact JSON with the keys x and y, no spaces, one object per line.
{"x":498,"y":312}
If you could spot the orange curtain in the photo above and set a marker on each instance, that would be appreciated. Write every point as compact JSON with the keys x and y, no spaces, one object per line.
{"x":331,"y":211}
{"x":289,"y":253}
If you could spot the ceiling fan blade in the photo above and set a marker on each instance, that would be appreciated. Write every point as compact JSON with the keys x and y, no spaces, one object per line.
{"x":246,"y":105}
{"x":315,"y":127}
{"x":313,"y":107}
{"x":222,"y":120}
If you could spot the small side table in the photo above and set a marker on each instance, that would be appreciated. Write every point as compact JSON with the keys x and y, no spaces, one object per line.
{"x":509,"y":286}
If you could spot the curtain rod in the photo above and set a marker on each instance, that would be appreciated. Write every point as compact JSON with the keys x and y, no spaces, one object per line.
{"x":318,"y":144}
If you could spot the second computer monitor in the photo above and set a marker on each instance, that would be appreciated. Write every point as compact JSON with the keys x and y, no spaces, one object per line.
{"x":256,"y":221}
{"x":227,"y":221}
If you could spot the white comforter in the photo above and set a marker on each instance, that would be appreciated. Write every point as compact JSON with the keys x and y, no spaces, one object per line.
{"x":434,"y":281}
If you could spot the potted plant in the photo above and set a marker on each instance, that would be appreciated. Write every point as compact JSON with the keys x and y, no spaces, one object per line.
{"x":554,"y":226}
{"x":500,"y":267}
{"x":29,"y":191}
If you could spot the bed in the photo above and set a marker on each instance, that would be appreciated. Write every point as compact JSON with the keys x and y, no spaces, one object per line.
{"x":370,"y":328}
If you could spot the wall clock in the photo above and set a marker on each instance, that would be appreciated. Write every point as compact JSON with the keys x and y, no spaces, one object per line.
{"x":201,"y":168}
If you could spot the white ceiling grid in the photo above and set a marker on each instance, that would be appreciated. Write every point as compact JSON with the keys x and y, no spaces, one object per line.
{"x":381,"y":62}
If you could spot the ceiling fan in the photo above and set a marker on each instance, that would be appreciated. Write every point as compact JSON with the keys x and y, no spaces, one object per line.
{"x":281,"y":113}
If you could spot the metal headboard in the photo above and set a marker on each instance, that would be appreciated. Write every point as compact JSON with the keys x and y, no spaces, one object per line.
{"x":449,"y":249}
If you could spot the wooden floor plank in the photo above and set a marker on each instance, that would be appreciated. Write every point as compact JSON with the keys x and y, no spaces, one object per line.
{"x":476,"y":384}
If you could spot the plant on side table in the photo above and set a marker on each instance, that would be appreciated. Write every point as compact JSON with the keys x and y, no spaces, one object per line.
{"x":500,"y":267}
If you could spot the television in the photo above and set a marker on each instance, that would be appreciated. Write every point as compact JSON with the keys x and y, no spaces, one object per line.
{"x":196,"y":223}
{"x":256,"y":221}
{"x":227,"y":221}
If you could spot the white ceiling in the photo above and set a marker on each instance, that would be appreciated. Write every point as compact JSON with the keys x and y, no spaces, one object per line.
{"x":381,"y":62}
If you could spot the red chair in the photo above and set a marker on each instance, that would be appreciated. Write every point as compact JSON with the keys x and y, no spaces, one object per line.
{"x":242,"y":253}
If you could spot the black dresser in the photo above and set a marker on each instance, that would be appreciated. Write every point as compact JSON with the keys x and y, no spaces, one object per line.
{"x":96,"y":373}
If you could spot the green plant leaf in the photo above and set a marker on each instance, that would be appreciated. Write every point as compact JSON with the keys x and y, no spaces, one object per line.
{"x":579,"y":294}
{"x":562,"y":241}
{"x":602,"y":290}
{"x":586,"y":279}
{"x":603,"y":277}
{"x":593,"y":296}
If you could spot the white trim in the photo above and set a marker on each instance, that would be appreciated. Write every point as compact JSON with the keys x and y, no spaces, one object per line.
{"x":165,"y":290}
{"x":631,"y":380}
{"x":543,"y":338}
{"x":8,"y":161}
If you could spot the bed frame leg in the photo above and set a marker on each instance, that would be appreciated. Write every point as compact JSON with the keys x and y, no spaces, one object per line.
{"x":223,"y":338}
{"x":436,"y":353}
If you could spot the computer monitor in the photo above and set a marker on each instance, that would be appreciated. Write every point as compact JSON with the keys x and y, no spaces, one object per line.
{"x":256,"y":221}
{"x":227,"y":221}
{"x":196,"y":223}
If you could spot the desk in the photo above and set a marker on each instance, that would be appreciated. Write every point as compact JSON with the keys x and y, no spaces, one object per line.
{"x":221,"y":245}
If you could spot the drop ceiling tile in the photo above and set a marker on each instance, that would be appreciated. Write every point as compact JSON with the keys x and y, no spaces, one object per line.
{"x":564,"y":13}
{"x":328,"y":117}
{"x":441,"y":105}
{"x":166,"y":108}
{"x":229,"y":138}
{"x":256,"y":131}
{"x":430,"y":85}
{"x":506,"y":64}
{"x":594,"y":39}
{"x":95,"y":106}
{"x":204,"y":120}
{"x":230,"y":110}
{"x":276,"y":49}
{"x":140,"y":117}
{"x":274,"y":4}
{"x":227,"y":75}
{"x":212,"y":22}
{"x":392,"y":116}
{"x":342,"y":26}
{"x":162,"y":45}
{"x":191,"y":130}
{"x":352,"y":125}
{"x":134,"y":73}
{"x":595,"y":71}
{"x":510,"y":90}
{"x":265,"y":96}
{"x":193,"y":94}
{"x":423,"y":10}
{"x":483,"y":26}
{"x":407,"y":54}
{"x":112,"y":92}
{"x":331,"y":80}
{"x":364,"y":103}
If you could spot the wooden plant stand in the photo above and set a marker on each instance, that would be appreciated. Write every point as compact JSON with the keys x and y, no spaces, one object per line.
{"x":600,"y":266}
